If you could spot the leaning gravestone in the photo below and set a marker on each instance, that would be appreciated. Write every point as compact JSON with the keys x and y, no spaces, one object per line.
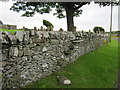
{"x":35,"y":28}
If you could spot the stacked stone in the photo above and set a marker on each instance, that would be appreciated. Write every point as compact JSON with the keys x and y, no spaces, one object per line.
{"x":31,"y":55}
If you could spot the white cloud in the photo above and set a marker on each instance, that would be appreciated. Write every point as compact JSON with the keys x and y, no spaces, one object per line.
{"x":93,"y":15}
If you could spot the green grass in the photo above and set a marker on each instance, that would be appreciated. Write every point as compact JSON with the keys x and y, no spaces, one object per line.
{"x":11,"y":31}
{"x":97,"y":69}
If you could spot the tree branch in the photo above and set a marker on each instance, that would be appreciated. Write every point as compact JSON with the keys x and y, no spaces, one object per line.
{"x":81,"y":4}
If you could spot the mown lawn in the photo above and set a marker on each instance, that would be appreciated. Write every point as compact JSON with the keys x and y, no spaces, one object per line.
{"x":11,"y":31}
{"x":97,"y":69}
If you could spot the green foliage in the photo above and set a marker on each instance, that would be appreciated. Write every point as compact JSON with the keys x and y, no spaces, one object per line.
{"x":47,"y":23}
{"x":98,"y":29}
{"x":31,"y":8}
{"x":113,"y":3}
{"x":97,"y":69}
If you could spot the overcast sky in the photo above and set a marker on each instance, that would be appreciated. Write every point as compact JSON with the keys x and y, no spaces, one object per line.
{"x":92,"y":16}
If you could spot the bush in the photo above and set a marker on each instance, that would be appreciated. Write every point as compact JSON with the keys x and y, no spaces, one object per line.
{"x":98,"y":29}
{"x":47,"y":23}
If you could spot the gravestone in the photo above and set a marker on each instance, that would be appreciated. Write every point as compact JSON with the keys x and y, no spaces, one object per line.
{"x":41,"y":28}
{"x":61,"y":29}
{"x":35,"y":28}
{"x":51,"y":28}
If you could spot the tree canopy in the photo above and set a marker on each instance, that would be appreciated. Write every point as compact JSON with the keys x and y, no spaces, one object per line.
{"x":71,"y":8}
{"x":98,"y":29}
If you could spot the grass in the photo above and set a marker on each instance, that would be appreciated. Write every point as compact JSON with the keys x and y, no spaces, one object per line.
{"x":11,"y":31}
{"x":97,"y":69}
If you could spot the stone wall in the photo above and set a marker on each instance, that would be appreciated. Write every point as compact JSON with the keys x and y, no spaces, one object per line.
{"x":31,"y":55}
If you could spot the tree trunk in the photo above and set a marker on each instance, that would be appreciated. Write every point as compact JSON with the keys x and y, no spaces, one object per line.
{"x":69,"y":12}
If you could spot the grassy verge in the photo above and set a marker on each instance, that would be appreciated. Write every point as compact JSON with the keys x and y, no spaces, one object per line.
{"x":97,"y":69}
{"x":11,"y":31}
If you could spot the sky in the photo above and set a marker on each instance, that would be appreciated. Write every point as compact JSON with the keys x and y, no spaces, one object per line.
{"x":93,"y":15}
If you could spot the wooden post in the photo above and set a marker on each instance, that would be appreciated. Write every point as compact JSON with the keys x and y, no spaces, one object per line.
{"x":111,"y":22}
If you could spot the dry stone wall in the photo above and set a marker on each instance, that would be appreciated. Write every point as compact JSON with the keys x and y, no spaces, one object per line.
{"x":31,"y":55}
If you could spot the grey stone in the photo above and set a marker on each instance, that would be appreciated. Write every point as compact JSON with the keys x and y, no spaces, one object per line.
{"x":36,"y":57}
{"x":53,"y":35}
{"x":44,"y":65}
{"x":77,"y":41}
{"x":32,"y":45}
{"x":21,"y":52}
{"x":39,"y":33}
{"x":54,"y":41}
{"x":23,"y":76}
{"x":31,"y":41}
{"x":44,"y":49}
{"x":20,"y":47}
{"x":24,"y":58}
{"x":3,"y":57}
{"x":26,"y":37}
{"x":1,"y":68}
{"x":7,"y":67}
{"x":63,"y":36}
{"x":19,"y":35}
{"x":32,"y":32}
{"x":67,"y":82}
{"x":7,"y":38}
{"x":46,"y":34}
{"x":63,"y":80}
{"x":77,"y":34}
{"x":12,"y":39}
{"x":9,"y":76}
{"x":71,"y":36}
{"x":13,"y":51}
{"x":5,"y":33}
{"x":27,"y":51}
